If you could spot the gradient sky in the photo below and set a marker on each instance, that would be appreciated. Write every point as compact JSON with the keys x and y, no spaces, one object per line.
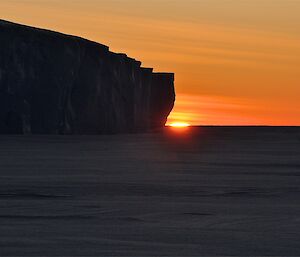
{"x":237,"y":62}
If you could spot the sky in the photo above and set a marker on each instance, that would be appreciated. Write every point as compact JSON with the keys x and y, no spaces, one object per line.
{"x":236,"y":62}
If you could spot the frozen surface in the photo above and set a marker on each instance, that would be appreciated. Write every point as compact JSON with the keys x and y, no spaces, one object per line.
{"x":203,"y":191}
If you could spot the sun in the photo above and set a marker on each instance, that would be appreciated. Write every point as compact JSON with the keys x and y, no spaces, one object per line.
{"x":179,"y":124}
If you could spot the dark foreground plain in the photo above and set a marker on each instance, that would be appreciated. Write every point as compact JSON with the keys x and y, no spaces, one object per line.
{"x":201,"y":191}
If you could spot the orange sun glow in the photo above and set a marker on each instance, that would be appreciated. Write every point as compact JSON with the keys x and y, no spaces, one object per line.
{"x":179,"y":124}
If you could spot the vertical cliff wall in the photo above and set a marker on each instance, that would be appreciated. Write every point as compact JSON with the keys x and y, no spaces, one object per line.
{"x":51,"y":83}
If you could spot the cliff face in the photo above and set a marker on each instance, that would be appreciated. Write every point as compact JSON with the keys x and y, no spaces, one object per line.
{"x":51,"y":83}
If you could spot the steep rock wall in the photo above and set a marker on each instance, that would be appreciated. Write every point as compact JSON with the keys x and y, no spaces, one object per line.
{"x":51,"y":83}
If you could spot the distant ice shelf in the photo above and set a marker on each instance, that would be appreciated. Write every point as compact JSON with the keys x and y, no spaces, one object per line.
{"x":52,"y":83}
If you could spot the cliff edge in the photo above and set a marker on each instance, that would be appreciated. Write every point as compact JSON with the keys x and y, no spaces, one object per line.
{"x":52,"y":83}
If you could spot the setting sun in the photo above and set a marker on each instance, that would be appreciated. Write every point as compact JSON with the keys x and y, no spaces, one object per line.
{"x":179,"y":124}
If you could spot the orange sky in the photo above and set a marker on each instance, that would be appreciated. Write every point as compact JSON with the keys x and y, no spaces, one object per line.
{"x":237,"y":62}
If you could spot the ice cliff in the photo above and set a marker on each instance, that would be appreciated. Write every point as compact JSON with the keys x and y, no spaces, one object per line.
{"x":51,"y":83}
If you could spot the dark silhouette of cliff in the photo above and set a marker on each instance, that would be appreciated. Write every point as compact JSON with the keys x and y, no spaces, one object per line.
{"x":52,"y":83}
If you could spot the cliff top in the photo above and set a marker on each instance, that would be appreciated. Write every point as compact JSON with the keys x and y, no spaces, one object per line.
{"x":5,"y":23}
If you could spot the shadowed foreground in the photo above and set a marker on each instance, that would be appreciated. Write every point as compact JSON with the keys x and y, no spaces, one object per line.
{"x":203,"y":191}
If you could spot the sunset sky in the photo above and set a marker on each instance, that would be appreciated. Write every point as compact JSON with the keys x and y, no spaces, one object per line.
{"x":237,"y":62}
